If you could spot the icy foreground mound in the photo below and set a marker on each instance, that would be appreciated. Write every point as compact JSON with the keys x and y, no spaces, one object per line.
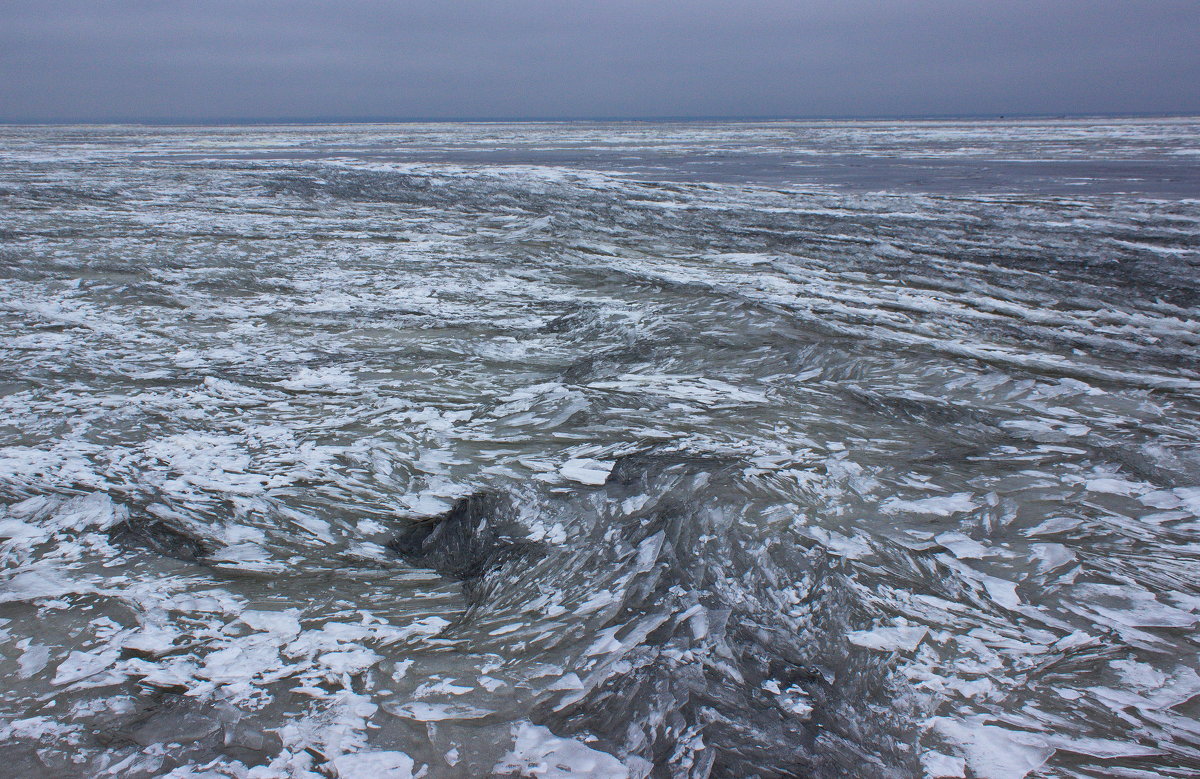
{"x":316,"y":465}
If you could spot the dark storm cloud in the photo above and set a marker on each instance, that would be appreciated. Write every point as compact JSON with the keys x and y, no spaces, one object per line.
{"x":90,"y":59}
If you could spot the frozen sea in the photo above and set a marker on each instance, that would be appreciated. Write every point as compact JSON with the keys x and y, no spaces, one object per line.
{"x":617,"y":450}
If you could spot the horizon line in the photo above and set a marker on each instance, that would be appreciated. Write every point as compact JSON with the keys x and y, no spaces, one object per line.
{"x":333,"y":119}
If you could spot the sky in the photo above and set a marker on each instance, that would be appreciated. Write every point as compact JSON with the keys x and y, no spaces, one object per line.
{"x":213,"y":60}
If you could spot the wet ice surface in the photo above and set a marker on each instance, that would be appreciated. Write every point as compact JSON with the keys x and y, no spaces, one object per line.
{"x":368,"y":451}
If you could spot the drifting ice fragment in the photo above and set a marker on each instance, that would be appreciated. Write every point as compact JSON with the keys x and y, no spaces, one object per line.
{"x":992,"y":752}
{"x":539,"y":753}
{"x":1103,"y":748}
{"x":887,"y":639}
{"x":436,"y":712}
{"x":374,"y":765}
{"x":586,"y":470}
{"x":83,"y":665}
{"x":939,"y":766}
{"x":941,"y":506}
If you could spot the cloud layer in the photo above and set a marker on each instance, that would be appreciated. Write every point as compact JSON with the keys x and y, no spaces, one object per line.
{"x":137,"y":59}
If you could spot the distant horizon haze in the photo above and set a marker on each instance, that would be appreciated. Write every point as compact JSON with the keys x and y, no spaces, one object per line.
{"x":266,"y":121}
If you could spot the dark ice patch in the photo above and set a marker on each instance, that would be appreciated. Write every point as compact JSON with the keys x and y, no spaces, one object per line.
{"x":714,"y":701}
{"x":192,"y":732}
{"x":632,"y":468}
{"x":161,"y":537}
{"x":477,"y":534}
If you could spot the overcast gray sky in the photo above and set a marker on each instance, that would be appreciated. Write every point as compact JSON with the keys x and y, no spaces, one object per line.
{"x":220,"y":59}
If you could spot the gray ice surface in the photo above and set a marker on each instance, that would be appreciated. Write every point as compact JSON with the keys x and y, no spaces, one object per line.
{"x":613,"y":450}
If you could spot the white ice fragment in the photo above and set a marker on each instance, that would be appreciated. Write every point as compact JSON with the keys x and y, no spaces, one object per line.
{"x":557,"y":534}
{"x":331,"y":379}
{"x":442,"y":687}
{"x":597,"y":601}
{"x":992,"y":752}
{"x":33,"y":659}
{"x":744,"y":258}
{"x":1051,"y":556}
{"x":34,"y":728}
{"x":1002,"y":591}
{"x":83,"y":665}
{"x":606,"y":641}
{"x":1189,"y":498}
{"x":1105,"y":749}
{"x":151,"y":640}
{"x":318,"y":527}
{"x":586,"y":470}
{"x":436,"y":712}
{"x":690,"y":388}
{"x":428,"y":505}
{"x":1046,"y":431}
{"x":1132,"y":606}
{"x":19,"y":531}
{"x":1182,"y":687}
{"x":795,"y":700}
{"x":972,"y":688}
{"x":280,"y":623}
{"x":426,"y":626}
{"x":570,"y":681}
{"x":1054,"y":526}
{"x":845,"y":546}
{"x":491,"y":684}
{"x":961,"y":546}
{"x":28,"y":507}
{"x":1139,"y":675}
{"x":539,"y":753}
{"x":939,"y":766}
{"x":1161,"y":499}
{"x":37,"y":583}
{"x":374,"y":765}
{"x":1114,"y":486}
{"x":95,"y":511}
{"x":698,"y":623}
{"x":248,"y":557}
{"x":939,"y":506}
{"x":350,"y":661}
{"x":888,"y":639}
